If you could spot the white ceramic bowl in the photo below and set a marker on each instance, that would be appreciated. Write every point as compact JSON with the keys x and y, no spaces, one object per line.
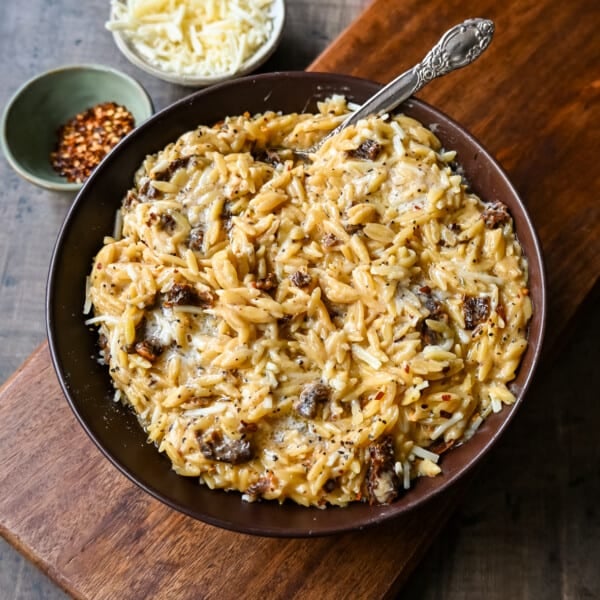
{"x":252,"y":63}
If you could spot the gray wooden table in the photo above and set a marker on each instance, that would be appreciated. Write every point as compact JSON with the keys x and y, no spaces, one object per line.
{"x":530,"y":525}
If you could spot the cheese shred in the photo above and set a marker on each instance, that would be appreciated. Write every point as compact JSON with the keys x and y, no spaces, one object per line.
{"x":194,"y":37}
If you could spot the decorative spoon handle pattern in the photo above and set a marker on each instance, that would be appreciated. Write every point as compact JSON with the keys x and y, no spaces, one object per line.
{"x":457,"y":48}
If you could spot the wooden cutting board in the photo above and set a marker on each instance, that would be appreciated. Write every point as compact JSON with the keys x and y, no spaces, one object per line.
{"x":533,"y":101}
{"x":99,"y":536}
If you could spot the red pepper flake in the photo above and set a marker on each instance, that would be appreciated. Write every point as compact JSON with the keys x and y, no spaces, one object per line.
{"x":99,"y":266}
{"x":406,"y":369}
{"x":87,"y":138}
{"x":379,"y":395}
{"x":446,"y":397}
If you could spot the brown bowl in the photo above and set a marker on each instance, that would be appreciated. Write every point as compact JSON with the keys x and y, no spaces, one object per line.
{"x":88,"y":387}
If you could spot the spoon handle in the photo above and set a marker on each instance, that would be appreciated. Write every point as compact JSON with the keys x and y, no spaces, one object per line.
{"x":457,"y":48}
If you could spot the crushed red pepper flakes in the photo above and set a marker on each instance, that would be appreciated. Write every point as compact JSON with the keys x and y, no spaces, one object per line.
{"x":88,"y":137}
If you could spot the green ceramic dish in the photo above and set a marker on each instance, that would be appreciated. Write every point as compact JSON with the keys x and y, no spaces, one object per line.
{"x":38,"y":108}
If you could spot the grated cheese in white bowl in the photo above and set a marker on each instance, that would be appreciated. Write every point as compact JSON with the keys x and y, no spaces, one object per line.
{"x":197,"y":42}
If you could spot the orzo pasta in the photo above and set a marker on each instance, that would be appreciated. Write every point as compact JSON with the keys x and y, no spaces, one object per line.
{"x":317,"y":331}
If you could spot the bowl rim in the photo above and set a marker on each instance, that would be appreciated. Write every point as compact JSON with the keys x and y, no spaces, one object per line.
{"x":375,"y":516}
{"x":255,"y":60}
{"x":58,"y":186}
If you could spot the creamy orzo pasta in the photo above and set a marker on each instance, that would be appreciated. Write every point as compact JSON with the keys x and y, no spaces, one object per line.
{"x":316,"y":331}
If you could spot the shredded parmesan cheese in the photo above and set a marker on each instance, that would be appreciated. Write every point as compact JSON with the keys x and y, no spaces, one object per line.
{"x":194,"y":37}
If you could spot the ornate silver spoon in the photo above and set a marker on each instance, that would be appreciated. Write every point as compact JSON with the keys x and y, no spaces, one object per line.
{"x":457,"y":48}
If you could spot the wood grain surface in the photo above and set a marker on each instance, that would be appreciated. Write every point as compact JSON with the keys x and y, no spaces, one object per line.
{"x":528,"y":528}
